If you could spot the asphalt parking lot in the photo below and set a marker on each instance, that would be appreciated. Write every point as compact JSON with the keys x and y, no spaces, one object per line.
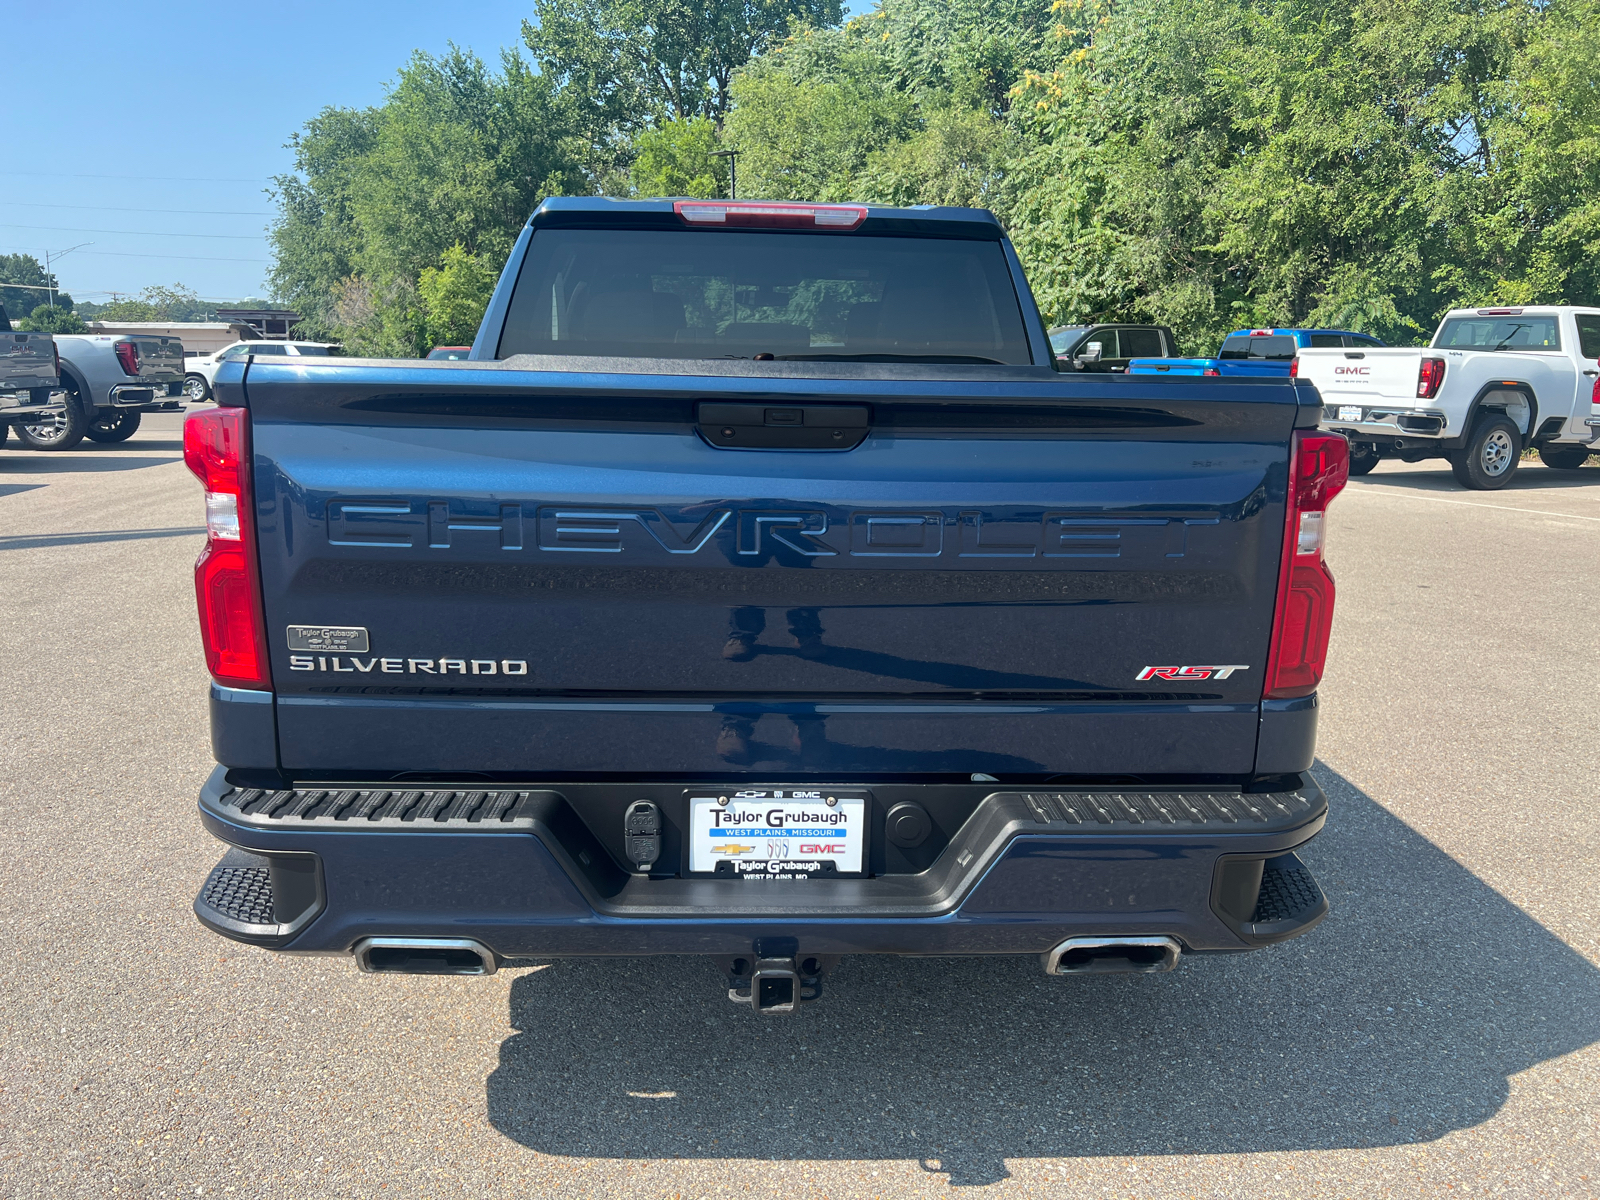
{"x":1436,"y":1035}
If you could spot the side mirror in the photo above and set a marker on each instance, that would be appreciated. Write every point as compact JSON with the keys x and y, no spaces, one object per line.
{"x":1088,"y":356}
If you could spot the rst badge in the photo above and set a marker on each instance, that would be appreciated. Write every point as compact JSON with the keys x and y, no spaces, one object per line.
{"x":1176,"y":674}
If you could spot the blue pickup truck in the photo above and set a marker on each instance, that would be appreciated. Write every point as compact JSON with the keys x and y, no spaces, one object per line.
{"x":759,"y":590}
{"x":1255,"y":353}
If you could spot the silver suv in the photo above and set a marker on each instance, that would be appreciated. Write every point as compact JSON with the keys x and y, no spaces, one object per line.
{"x":200,"y":371}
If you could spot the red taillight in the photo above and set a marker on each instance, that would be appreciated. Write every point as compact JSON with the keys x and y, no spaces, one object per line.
{"x":1211,"y":371}
{"x":1294,"y":367}
{"x":128,"y":356}
{"x":216,"y":447}
{"x":1319,"y":466}
{"x":1594,"y":396}
{"x":770,"y":214}
{"x":1430,"y":374}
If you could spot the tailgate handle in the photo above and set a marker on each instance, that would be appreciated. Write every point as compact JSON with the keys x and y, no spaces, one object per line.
{"x":791,"y":427}
{"x":1355,"y":354}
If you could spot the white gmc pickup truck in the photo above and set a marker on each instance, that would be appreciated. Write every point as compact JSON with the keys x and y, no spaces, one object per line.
{"x":1494,"y":382}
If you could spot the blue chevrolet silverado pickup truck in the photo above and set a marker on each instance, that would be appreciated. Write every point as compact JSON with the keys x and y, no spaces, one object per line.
{"x":759,"y":590}
{"x":1256,"y":353}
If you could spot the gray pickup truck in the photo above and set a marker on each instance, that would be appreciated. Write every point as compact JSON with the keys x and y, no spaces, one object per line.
{"x":109,"y":381}
{"x":29,"y":377}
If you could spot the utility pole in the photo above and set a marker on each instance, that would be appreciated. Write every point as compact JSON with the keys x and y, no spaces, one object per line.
{"x":733,"y":170}
{"x":49,"y":276}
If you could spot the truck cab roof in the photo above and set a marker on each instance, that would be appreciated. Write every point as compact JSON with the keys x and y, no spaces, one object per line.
{"x":923,"y":220}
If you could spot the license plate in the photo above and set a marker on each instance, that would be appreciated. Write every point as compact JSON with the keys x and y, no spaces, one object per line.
{"x":778,"y":833}
{"x":1349,"y":412}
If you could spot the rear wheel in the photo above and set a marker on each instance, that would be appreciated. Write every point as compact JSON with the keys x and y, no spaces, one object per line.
{"x":58,"y":431}
{"x":1363,"y":457}
{"x":1490,"y":457}
{"x":196,"y":388}
{"x":1564,"y":458}
{"x":115,"y":426}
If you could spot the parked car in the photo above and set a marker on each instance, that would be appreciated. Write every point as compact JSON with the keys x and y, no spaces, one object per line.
{"x":29,"y":377}
{"x":1493,"y":382}
{"x":1109,"y":348}
{"x":449,"y":353}
{"x":1255,"y":352}
{"x":200,"y":370}
{"x":109,"y":382}
{"x":821,"y":632}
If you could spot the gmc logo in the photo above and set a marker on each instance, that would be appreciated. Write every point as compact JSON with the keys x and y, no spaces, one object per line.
{"x":1352,"y":370}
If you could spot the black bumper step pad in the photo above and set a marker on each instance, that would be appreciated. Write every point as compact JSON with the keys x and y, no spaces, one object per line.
{"x":1288,"y":894}
{"x":384,"y":808}
{"x":1247,"y":810}
{"x":262,"y":899}
{"x":241,"y":894}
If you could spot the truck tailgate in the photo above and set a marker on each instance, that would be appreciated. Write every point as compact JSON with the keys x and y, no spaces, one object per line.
{"x":488,"y":569}
{"x":160,"y":358}
{"x":27,"y":360}
{"x":1363,"y":376}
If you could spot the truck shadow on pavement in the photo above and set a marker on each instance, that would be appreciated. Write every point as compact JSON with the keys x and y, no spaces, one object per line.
{"x":1431,"y":478}
{"x":34,"y":541}
{"x":1400,"y":1019}
{"x":68,"y":462}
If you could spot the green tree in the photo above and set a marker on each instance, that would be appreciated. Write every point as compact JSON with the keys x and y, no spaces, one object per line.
{"x":454,"y":296}
{"x":629,"y":62}
{"x":456,"y":155}
{"x":809,"y":115}
{"x":909,"y":105}
{"x":1217,"y":163}
{"x":45,"y":319}
{"x":24,"y":284}
{"x":675,"y":159}
{"x":158,"y":303}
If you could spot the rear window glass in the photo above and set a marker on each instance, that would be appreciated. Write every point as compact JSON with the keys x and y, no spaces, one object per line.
{"x":1139,"y":343}
{"x":1500,"y":333}
{"x":1326,"y":341}
{"x":724,"y":294}
{"x":1588,"y":336}
{"x":1271,"y":346}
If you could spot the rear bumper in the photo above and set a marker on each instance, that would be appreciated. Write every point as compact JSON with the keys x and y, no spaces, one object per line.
{"x":26,"y":414}
{"x":1396,"y":421}
{"x":319,"y":869}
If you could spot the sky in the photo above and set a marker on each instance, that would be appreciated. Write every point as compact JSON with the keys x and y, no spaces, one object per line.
{"x":158,"y":128}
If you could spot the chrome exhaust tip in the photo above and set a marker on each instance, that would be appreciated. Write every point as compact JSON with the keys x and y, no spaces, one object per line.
{"x":1113,"y":956}
{"x":424,"y":956}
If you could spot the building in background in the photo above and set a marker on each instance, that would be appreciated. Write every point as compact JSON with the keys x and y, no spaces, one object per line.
{"x":198,"y":337}
{"x":273,"y":324}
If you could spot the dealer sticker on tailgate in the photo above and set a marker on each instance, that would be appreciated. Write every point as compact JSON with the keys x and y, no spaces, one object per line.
{"x":778,"y":833}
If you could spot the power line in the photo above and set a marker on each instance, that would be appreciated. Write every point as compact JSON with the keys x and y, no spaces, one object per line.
{"x":189,"y":212}
{"x":176,"y":257}
{"x":146,"y":178}
{"x":234,"y":237}
{"x":81,"y":292}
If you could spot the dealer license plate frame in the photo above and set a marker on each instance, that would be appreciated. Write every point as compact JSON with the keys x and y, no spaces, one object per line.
{"x":846,"y":810}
